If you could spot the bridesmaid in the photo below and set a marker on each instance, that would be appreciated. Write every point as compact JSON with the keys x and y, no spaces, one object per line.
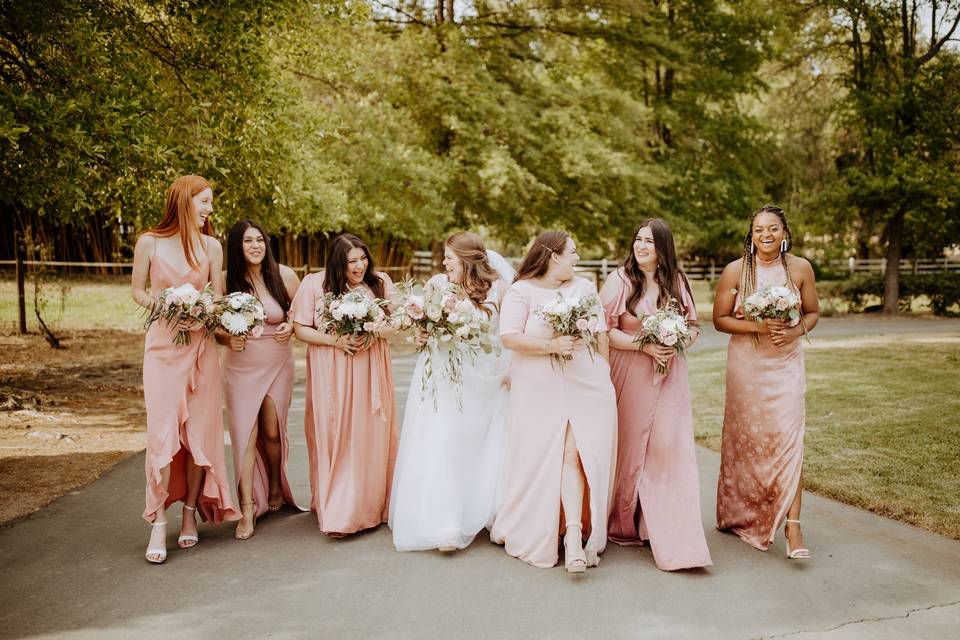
{"x":181,"y":383}
{"x":350,"y":422}
{"x":657,"y":488}
{"x":258,"y":377}
{"x":562,"y":439}
{"x":761,"y":459}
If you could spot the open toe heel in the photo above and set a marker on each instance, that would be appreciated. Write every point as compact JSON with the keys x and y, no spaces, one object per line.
{"x":157,"y":555}
{"x":246,"y":532}
{"x":185,"y":542}
{"x":574,"y":557}
{"x":801,"y":553}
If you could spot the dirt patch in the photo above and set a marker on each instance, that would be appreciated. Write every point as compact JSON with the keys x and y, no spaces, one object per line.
{"x":66,"y":415}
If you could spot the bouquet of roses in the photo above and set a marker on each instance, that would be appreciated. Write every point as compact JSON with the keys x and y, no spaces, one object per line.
{"x":241,"y":314}
{"x":352,"y":314}
{"x":450,"y":322}
{"x":176,"y":304}
{"x":779,"y":303}
{"x":668,"y":328}
{"x":577,"y":317}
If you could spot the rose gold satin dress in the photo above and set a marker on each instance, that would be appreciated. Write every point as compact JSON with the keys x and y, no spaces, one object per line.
{"x":181,"y":390}
{"x":263,"y":369}
{"x":763,"y":423}
{"x":350,"y":425}
{"x":544,"y":399}
{"x":656,"y":460}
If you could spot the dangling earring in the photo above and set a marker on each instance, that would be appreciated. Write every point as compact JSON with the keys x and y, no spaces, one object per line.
{"x":783,"y":246}
{"x":753,"y":248}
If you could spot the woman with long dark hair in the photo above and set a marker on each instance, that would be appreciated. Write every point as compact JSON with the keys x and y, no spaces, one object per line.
{"x":761,"y":456}
{"x":181,"y":383}
{"x":657,"y":491}
{"x":258,"y":376}
{"x":562,"y":434}
{"x":350,"y":422}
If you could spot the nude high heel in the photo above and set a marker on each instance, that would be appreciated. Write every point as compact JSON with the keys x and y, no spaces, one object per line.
{"x":246,"y":534}
{"x":795,"y":554}
{"x":185,"y":542}
{"x":574,"y":557}
{"x":157,"y":555}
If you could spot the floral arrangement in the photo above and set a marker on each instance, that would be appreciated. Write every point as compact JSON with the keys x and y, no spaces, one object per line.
{"x":780,"y":303}
{"x":352,"y":313}
{"x":667,"y":327}
{"x":184,"y":303}
{"x":577,"y":317}
{"x":449,"y":322}
{"x":241,"y":314}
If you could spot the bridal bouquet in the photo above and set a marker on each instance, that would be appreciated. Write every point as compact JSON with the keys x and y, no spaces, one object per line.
{"x":184,"y":303}
{"x":779,"y":303}
{"x":353,"y":313}
{"x":450,"y":322}
{"x":241,"y":314}
{"x":577,"y":317}
{"x":668,"y":328}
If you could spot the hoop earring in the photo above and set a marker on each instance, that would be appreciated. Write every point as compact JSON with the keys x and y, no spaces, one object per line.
{"x":783,"y":246}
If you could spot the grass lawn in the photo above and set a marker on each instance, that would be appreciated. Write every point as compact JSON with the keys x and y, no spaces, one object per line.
{"x":71,"y":304}
{"x":883,"y":424}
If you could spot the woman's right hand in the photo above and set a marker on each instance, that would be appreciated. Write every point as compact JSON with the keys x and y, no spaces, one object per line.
{"x":237,"y":343}
{"x":347,"y":344}
{"x":659,"y":353}
{"x":563,"y":345}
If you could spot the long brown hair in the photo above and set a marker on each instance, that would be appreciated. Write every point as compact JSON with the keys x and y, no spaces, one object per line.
{"x":537,"y":260}
{"x":668,"y":275}
{"x":238,"y":277}
{"x":178,"y":216}
{"x":335,"y":277}
{"x":478,"y":275}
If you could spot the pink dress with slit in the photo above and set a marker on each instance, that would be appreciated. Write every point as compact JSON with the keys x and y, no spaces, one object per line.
{"x":350,"y":424}
{"x":761,"y":454}
{"x":263,"y":369}
{"x":181,"y":390}
{"x":657,"y":489}
{"x":544,"y":399}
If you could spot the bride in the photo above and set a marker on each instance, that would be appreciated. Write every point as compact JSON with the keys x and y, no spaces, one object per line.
{"x":446,"y":485}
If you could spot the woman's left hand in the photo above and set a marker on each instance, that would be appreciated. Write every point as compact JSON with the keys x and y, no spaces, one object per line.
{"x":784,"y":335}
{"x":284,"y":331}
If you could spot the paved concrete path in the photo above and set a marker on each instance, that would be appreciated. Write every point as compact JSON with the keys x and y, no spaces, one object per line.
{"x":75,"y":570}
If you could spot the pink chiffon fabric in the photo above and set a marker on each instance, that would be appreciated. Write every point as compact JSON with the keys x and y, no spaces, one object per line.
{"x":657,"y":473}
{"x":181,"y":391}
{"x":544,"y":399}
{"x":263,"y":369}
{"x":350,"y":425}
{"x":761,"y":456}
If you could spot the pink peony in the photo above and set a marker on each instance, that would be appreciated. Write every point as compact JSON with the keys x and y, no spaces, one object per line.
{"x":782,"y":304}
{"x":669,"y":339}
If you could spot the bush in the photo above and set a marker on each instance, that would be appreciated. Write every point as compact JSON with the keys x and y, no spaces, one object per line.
{"x":942,"y":290}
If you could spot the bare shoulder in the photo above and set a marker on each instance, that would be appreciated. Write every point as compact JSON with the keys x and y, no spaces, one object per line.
{"x":287,"y":274}
{"x":614,"y":281}
{"x":212,"y":245}
{"x":799,"y":265}
{"x":732,"y":270}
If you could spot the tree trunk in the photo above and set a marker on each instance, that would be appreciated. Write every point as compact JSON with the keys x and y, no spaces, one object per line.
{"x":891,"y":277}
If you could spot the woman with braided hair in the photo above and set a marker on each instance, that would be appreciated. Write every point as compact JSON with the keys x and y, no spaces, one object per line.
{"x":761,"y":458}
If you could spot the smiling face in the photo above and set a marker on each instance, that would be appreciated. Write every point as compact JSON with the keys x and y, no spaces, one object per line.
{"x":201,"y":205}
{"x":453,"y":265}
{"x":254,"y":246}
{"x":561,"y":264}
{"x":768,"y":233}
{"x":644,"y":249}
{"x":356,"y":266}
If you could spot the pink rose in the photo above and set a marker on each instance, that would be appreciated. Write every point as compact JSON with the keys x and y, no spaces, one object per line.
{"x":595,"y":326}
{"x":414,"y":311}
{"x":782,"y":304}
{"x":369,"y":326}
{"x":669,"y":339}
{"x":583,"y":324}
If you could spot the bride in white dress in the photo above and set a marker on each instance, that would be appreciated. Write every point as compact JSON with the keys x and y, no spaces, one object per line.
{"x":446,"y":484}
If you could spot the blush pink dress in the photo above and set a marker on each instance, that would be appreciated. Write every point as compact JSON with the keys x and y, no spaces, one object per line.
{"x":761,"y":455}
{"x":181,"y":390}
{"x":544,"y":399}
{"x":350,"y":425}
{"x":264,"y":368}
{"x":656,"y":461}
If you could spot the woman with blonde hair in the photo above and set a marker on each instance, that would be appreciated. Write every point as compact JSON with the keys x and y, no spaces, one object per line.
{"x":446,"y":481}
{"x":181,"y":383}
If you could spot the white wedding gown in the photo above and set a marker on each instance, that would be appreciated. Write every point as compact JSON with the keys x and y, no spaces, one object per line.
{"x":446,"y":483}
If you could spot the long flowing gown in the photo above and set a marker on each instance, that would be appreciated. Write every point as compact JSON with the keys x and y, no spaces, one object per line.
{"x":446,"y":483}
{"x":761,"y":455}
{"x":656,"y":462}
{"x":350,"y":425}
{"x":181,"y":390}
{"x":263,"y":369}
{"x":544,"y":399}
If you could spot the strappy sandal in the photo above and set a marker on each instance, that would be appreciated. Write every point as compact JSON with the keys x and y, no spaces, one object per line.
{"x":801,"y":553}
{"x":157,"y":555}
{"x":574,"y":557}
{"x":246,"y":534}
{"x":185,"y":542}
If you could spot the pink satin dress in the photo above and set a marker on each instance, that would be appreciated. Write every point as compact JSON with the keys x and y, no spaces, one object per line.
{"x":657,"y":475}
{"x":263,"y":369}
{"x":350,"y":425}
{"x":544,"y":399}
{"x":181,"y":390}
{"x":761,"y":456}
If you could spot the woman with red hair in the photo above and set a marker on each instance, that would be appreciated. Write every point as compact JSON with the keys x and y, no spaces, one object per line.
{"x":181,"y":383}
